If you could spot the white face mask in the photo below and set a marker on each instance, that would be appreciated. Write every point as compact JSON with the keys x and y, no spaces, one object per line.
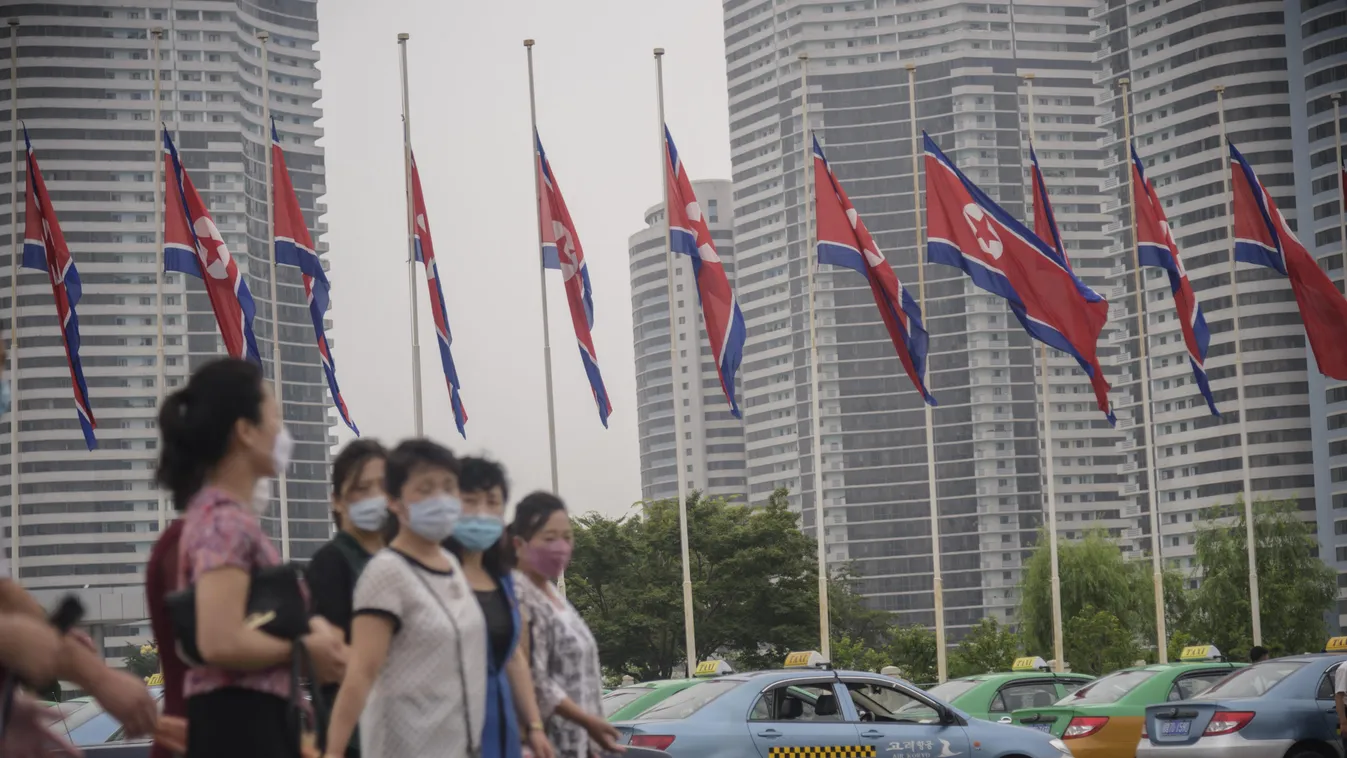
{"x":281,"y":450}
{"x":261,"y":497}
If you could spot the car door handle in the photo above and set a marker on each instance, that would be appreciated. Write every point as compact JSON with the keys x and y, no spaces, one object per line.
{"x":873,"y":734}
{"x":770,"y":734}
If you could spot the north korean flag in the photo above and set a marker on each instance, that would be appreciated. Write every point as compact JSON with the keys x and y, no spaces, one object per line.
{"x":965,"y":229}
{"x":1263,"y":237}
{"x":193,"y":246}
{"x":425,"y":252}
{"x":1156,"y":247}
{"x":844,"y":241}
{"x":1045,"y":221}
{"x":690,"y":236}
{"x":44,"y":249}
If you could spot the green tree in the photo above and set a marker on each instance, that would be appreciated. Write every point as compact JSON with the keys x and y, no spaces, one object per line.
{"x":855,"y":655}
{"x":1296,"y":588}
{"x":1095,"y":642}
{"x":1094,"y":573}
{"x":987,"y":647}
{"x":144,"y":662}
{"x":912,"y":650}
{"x":754,"y":578}
{"x":848,"y":614}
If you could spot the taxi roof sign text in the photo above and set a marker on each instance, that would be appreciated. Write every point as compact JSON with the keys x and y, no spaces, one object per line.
{"x":1200,"y":653}
{"x":713,"y":668}
{"x":1030,"y":663}
{"x":1336,"y":645}
{"x":803,"y":659}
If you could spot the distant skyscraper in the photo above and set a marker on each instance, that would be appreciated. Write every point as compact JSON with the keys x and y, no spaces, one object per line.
{"x":712,"y":438}
{"x":85,"y":93}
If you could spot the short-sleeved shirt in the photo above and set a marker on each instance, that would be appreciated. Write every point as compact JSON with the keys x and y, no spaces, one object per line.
{"x":430,"y":695}
{"x":220,"y":532}
{"x":1340,"y":681}
{"x":331,"y":576}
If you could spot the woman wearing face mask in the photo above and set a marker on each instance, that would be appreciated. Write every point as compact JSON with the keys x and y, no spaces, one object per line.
{"x":359,"y":510}
{"x":478,"y":545}
{"x":222,"y":435}
{"x":417,"y":676}
{"x":565,"y":657}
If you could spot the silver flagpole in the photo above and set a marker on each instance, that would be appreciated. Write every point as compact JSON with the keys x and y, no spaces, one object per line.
{"x":542,"y":275}
{"x":157,"y":33}
{"x":806,"y":185}
{"x":1255,"y":609}
{"x":1059,"y":655}
{"x":417,"y":413}
{"x":690,"y":630}
{"x":262,"y":38}
{"x":939,"y":581}
{"x":1342,"y":191}
{"x":15,"y":248}
{"x":1153,"y":477}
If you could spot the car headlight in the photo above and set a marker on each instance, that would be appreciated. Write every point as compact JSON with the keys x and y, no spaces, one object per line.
{"x":1061,"y":746}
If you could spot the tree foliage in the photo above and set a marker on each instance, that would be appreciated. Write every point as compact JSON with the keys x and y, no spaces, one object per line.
{"x":145,"y":661}
{"x":912,"y":650}
{"x":1096,"y":642}
{"x":1296,"y":588}
{"x":856,"y":655}
{"x":754,"y":581}
{"x":987,"y":647}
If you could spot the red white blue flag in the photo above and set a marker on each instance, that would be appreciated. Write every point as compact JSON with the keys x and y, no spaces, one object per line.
{"x":294,"y":247}
{"x":44,"y":249}
{"x":844,"y":241}
{"x":562,"y":244}
{"x":689,"y":235}
{"x":1156,"y":247}
{"x":1263,"y":237}
{"x":193,"y":246}
{"x":1045,"y":221}
{"x":965,"y":229}
{"x":425,"y":252}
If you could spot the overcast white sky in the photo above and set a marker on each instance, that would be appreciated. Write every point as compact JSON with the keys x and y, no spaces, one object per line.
{"x":595,"y":80}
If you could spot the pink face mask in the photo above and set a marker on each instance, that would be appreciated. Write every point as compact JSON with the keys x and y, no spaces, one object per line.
{"x":548,"y":558}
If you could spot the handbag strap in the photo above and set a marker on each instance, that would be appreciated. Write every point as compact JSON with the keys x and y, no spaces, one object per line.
{"x":301,"y":661}
{"x":473,"y":749}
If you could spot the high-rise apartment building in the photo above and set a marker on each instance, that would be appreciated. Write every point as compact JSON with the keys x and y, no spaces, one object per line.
{"x":713,"y":439}
{"x":973,"y":97}
{"x":85,"y":92}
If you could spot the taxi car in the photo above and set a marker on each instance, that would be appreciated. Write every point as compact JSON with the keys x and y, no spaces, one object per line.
{"x":1103,"y":719}
{"x":811,"y":709}
{"x":631,"y":700}
{"x":1030,"y":683}
{"x":1280,"y":708}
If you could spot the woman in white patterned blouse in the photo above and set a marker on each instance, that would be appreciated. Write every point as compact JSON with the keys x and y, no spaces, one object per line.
{"x":564,"y":655}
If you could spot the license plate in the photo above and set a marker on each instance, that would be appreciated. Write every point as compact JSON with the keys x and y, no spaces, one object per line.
{"x":1041,"y":727}
{"x":1175,"y":728}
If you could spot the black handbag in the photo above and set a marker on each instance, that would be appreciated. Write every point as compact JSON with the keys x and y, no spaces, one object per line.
{"x":276,"y":606}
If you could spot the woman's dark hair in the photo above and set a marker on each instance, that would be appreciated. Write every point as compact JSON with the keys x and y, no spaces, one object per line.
{"x":532,"y":514}
{"x":196,"y":423}
{"x":481,"y":475}
{"x":348,"y":465}
{"x":412,"y":454}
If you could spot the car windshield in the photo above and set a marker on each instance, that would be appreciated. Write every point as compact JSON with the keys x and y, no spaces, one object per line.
{"x":946,"y":692}
{"x":686,"y":702}
{"x":1253,"y":681}
{"x":1108,"y":689}
{"x":620,"y":698}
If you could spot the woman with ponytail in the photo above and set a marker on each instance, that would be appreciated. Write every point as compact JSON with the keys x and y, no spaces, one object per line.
{"x":221,"y":438}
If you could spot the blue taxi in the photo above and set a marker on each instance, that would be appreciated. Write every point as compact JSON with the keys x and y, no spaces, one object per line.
{"x":810,"y":709}
{"x":1282,"y":708}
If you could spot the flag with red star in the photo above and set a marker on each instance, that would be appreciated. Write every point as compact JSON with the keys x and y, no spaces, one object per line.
{"x":965,"y":229}
{"x":193,"y":246}
{"x":425,"y":252}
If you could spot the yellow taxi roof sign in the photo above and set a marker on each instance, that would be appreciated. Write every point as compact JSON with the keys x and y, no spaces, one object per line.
{"x":1336,"y":645}
{"x":1029,"y":663}
{"x":154,"y":680}
{"x":1200,"y":653}
{"x":713,"y":668}
{"x":804,"y":659}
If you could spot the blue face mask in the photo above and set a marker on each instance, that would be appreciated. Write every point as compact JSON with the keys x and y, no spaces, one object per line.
{"x":477,"y":533}
{"x":4,"y":396}
{"x":368,"y":515}
{"x":434,"y":518}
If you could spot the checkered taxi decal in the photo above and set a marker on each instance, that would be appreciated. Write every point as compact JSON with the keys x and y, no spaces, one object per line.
{"x":825,"y":751}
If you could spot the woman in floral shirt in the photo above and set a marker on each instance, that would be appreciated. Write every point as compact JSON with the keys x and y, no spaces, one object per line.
{"x":565,"y":657}
{"x":222,"y":438}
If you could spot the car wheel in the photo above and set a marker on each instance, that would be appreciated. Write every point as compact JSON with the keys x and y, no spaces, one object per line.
{"x":1310,"y":751}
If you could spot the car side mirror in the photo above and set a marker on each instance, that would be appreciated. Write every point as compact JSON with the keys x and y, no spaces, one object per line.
{"x":1004,"y":720}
